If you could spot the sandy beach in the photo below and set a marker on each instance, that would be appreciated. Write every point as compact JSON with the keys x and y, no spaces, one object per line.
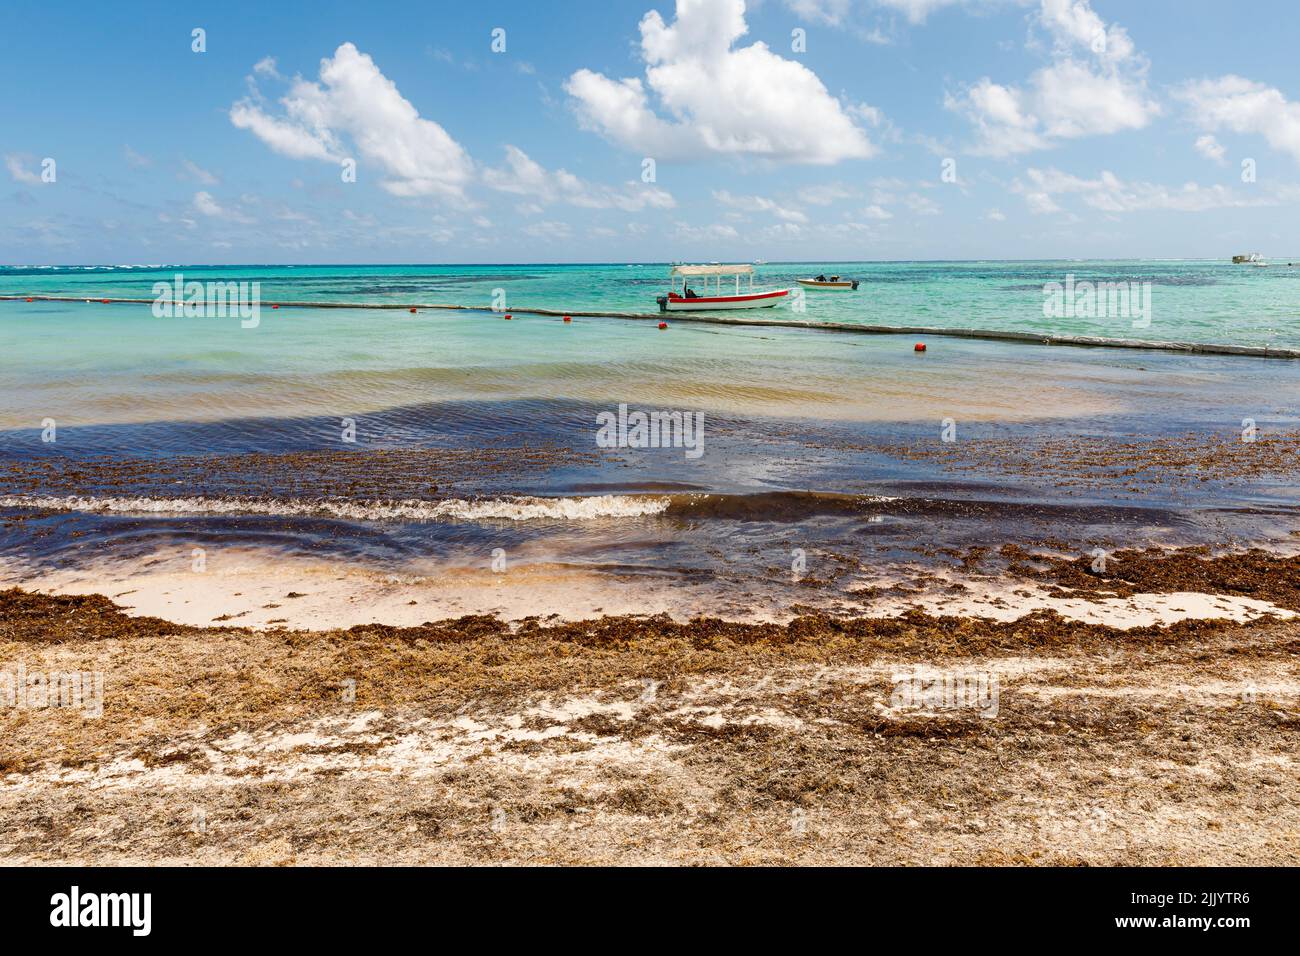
{"x":915,"y":733}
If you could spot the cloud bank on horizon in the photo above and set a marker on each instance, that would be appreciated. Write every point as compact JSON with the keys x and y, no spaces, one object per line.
{"x":723,"y":139}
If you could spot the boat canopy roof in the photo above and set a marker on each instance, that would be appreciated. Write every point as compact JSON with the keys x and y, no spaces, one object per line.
{"x":739,"y":270}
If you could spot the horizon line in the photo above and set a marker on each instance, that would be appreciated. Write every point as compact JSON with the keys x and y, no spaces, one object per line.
{"x":611,"y":262}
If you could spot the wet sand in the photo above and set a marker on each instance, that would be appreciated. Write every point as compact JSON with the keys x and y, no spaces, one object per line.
{"x":260,"y":590}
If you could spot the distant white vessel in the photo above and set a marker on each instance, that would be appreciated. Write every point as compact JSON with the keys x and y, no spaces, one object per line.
{"x":1250,"y":259}
{"x":690,"y":300}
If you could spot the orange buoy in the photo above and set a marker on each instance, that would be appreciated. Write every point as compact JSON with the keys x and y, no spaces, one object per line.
{"x":567,"y":318}
{"x":104,"y":301}
{"x":919,"y":347}
{"x":413,"y":310}
{"x":663,"y":325}
{"x":29,"y":298}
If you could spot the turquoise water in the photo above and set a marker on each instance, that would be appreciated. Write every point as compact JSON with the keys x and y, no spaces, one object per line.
{"x":1193,"y":301}
{"x":87,"y":363}
{"x":154,"y":414}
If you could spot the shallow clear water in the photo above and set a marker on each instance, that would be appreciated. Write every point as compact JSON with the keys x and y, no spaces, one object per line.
{"x":1194,"y":301}
{"x":786,"y":411}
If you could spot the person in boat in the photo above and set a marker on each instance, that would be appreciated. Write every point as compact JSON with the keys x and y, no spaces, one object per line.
{"x":821,"y":278}
{"x":690,"y":293}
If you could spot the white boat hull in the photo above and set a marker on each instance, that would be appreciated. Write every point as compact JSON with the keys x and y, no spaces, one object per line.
{"x":714,"y":303}
{"x":849,"y":286}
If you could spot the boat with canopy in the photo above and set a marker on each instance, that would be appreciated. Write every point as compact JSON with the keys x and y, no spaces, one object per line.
{"x":726,"y":292}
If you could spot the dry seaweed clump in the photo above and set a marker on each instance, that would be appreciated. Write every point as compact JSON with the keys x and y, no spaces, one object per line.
{"x":38,"y":618}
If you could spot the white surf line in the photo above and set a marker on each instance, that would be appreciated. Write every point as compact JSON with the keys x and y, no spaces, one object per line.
{"x":1029,"y":338}
{"x":520,"y":508}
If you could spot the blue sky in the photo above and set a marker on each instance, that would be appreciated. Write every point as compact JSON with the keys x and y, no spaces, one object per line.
{"x":1065,"y":128}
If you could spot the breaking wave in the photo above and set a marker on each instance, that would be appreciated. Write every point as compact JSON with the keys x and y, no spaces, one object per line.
{"x":514,"y":508}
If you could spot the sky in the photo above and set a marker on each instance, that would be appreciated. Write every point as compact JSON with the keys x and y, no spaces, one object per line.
{"x":646,"y":131}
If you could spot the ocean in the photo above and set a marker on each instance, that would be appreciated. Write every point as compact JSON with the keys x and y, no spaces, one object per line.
{"x":446,"y":443}
{"x":1192,"y":301}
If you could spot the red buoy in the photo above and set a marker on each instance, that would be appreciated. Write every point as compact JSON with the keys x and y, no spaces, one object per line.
{"x":663,"y":325}
{"x":509,"y":316}
{"x":412,"y":310}
{"x":920,"y":347}
{"x":29,"y":298}
{"x":567,"y":318}
{"x":275,"y":307}
{"x":105,"y":301}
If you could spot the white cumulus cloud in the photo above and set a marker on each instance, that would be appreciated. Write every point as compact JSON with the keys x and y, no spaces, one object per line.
{"x":1209,"y":147}
{"x":1095,"y":86}
{"x":353,"y":101}
{"x":19,"y":171}
{"x":759,"y":204}
{"x":1108,"y":193}
{"x":721,"y":99}
{"x":206,"y":204}
{"x":1242,"y":106}
{"x":522,"y":176}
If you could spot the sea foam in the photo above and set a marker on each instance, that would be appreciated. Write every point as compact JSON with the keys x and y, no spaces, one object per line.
{"x":513,"y":508}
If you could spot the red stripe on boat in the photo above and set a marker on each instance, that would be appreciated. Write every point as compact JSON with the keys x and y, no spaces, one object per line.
{"x":729,"y":298}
